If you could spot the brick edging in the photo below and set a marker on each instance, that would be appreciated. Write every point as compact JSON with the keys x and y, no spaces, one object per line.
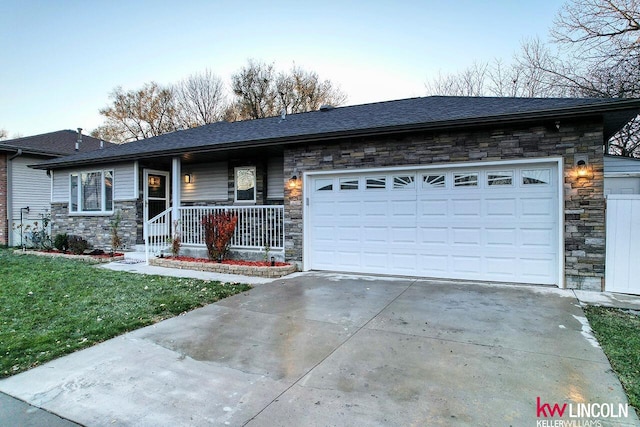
{"x":212,"y":267}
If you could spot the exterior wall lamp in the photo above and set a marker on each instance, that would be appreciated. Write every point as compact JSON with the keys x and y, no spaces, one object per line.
{"x":293,"y":181}
{"x":188,"y":178}
{"x":581,"y":163}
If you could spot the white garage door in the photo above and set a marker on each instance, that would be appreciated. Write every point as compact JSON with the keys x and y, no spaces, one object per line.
{"x":485,"y":223}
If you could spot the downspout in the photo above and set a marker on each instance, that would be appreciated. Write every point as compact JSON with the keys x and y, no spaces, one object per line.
{"x":10,"y":200}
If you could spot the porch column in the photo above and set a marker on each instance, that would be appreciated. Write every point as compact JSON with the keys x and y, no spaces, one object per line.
{"x":176,"y":186}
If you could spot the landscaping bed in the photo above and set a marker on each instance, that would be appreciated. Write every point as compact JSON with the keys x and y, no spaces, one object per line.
{"x":92,"y":258}
{"x":245,"y":268}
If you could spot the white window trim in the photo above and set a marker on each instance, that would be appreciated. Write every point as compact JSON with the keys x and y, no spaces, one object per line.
{"x":103,"y":194}
{"x":235,"y":185}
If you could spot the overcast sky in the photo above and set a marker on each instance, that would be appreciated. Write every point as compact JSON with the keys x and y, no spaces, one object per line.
{"x":61,"y":59}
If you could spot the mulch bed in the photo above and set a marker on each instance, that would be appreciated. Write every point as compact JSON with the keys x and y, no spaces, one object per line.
{"x":229,"y":261}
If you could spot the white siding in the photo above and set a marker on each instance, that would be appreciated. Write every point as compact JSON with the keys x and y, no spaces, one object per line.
{"x":275,"y":178}
{"x":123,"y":181}
{"x":621,"y":165}
{"x":209,"y":182}
{"x":29,"y":187}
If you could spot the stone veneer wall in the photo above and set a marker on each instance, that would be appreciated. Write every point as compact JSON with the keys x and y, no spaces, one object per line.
{"x":4,"y":217}
{"x":584,"y":207}
{"x":96,"y":229}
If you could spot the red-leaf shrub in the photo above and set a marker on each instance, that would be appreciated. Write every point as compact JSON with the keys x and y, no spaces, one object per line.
{"x":218,"y":231}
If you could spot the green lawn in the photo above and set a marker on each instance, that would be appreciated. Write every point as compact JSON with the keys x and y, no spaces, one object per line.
{"x":50,"y":307}
{"x":618,"y":332}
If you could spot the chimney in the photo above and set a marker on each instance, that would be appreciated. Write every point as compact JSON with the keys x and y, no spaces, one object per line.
{"x":79,"y":141}
{"x":101,"y":144}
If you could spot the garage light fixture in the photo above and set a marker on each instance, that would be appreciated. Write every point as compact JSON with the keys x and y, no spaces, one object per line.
{"x":188,"y":178}
{"x":581,"y":163}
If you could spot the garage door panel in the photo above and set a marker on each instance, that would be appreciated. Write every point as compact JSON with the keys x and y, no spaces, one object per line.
{"x":402,"y":235}
{"x":433,"y":209}
{"x":537,"y":207}
{"x":349,"y":258}
{"x":433,"y":235}
{"x":377,"y":260}
{"x":501,"y":208}
{"x":465,"y":236}
{"x":403,"y":262}
{"x":403,"y":208}
{"x":537,"y":237}
{"x":430,"y":264}
{"x":375,"y":235}
{"x":377,"y":209}
{"x":504,"y":267}
{"x":506,"y":231}
{"x":466,"y":264}
{"x":501,"y":237}
{"x":348,"y":235}
{"x":348,"y":209}
{"x":536,"y":268}
{"x":465,"y":208}
{"x":323,"y":233}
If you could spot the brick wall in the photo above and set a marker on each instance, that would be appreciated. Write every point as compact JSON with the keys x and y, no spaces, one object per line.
{"x":584,"y":219}
{"x":96,"y":229}
{"x":4,"y":221}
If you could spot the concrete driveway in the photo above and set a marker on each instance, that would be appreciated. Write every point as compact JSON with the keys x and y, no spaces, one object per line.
{"x":328,"y":349}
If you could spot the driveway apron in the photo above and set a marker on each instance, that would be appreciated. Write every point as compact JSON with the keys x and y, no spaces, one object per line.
{"x":330,"y":349}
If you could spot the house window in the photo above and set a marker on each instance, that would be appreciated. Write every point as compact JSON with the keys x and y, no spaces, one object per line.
{"x":499,"y":178}
{"x":91,"y":192}
{"x":465,"y":180}
{"x":245,"y":184}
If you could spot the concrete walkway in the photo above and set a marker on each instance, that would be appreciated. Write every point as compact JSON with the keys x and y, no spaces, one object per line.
{"x":330,"y":349}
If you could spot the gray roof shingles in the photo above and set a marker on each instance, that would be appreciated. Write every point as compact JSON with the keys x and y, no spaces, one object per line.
{"x":376,"y":117}
{"x":53,"y":144}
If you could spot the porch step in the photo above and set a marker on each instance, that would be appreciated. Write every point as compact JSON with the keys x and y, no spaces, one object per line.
{"x":135,"y":257}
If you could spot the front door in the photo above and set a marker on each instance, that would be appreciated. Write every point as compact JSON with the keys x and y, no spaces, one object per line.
{"x":156,"y":200}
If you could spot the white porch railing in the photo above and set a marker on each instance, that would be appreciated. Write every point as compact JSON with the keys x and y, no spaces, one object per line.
{"x":258,"y":227}
{"x":158,"y":233}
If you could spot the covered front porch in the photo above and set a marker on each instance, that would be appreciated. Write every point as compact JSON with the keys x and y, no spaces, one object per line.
{"x":175,"y":201}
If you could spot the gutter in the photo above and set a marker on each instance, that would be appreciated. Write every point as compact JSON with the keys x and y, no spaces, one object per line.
{"x":18,"y":153}
{"x":539,"y":115}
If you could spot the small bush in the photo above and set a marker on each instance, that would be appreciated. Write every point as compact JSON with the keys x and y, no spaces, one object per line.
{"x":61,"y":242}
{"x":77,"y":245}
{"x":218,"y":231}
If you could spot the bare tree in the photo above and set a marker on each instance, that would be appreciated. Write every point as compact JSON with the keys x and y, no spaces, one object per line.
{"x":626,"y":142}
{"x":469,"y":82}
{"x":3,"y":134}
{"x":254,"y":90}
{"x":262,"y":92}
{"x":138,"y":114}
{"x":200,"y":100}
{"x":301,"y":90}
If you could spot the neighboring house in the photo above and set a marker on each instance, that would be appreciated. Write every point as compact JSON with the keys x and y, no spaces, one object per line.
{"x":493,"y":189}
{"x":25,"y":193}
{"x":621,"y":175}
